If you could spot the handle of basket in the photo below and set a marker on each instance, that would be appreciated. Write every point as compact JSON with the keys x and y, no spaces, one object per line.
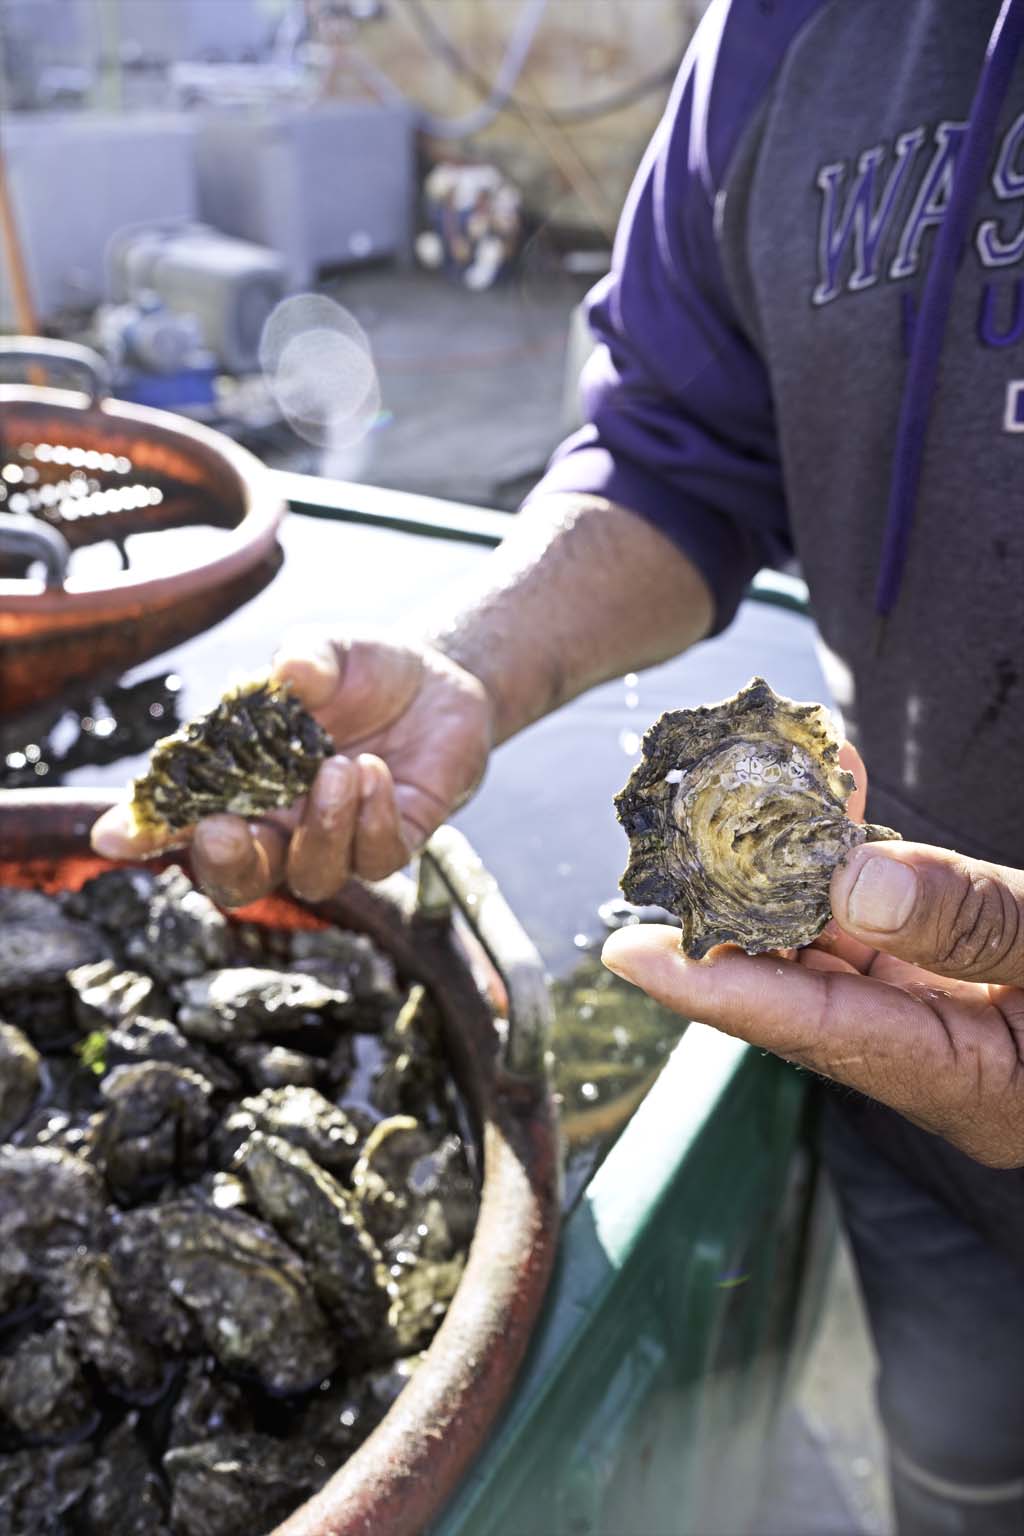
{"x":60,"y":357}
{"x":450,"y":872}
{"x":26,"y":536}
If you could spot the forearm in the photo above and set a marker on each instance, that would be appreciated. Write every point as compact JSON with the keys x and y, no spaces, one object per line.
{"x":580,"y":591}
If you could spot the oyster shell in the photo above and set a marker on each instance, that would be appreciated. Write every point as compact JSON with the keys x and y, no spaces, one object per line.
{"x":38,"y":1488}
{"x":19,"y":1078}
{"x":79,"y":1290}
{"x":320,"y":1219}
{"x":249,"y":1294}
{"x":301,"y":1116}
{"x":183,"y":933}
{"x":156,"y":1124}
{"x":50,"y":1204}
{"x":245,"y":1002}
{"x":256,"y":749}
{"x":239,"y":1485}
{"x":736,"y":820}
{"x":43,"y":1394}
{"x":127,"y":1497}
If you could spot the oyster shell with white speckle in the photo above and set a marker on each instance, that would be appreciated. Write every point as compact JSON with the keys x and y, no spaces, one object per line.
{"x":736,"y":817}
{"x":257,"y":749}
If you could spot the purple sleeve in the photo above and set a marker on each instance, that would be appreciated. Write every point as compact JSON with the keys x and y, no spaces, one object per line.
{"x":680,"y":425}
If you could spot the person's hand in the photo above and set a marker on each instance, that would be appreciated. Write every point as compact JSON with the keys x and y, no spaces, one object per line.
{"x":413,"y":732}
{"x":914,"y":995}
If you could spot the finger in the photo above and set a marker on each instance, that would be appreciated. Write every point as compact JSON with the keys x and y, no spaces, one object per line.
{"x":114,"y":835}
{"x":312,"y":663}
{"x":380,"y":847}
{"x":320,"y":853}
{"x":858,"y":1031}
{"x":851,"y":760}
{"x":233,"y":864}
{"x":833,"y":941}
{"x":952,"y":915}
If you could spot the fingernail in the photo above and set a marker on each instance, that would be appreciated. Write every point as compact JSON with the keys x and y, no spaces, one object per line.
{"x":112,"y":836}
{"x":223,"y":844}
{"x":613,"y":960}
{"x":883,"y":895}
{"x":333,"y":791}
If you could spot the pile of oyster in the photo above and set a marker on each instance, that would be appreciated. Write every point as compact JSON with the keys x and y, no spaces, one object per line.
{"x":235,"y":1201}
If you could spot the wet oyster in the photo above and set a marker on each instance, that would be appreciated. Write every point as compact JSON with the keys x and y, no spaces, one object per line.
{"x":736,"y":821}
{"x":239,"y":1485}
{"x":118,"y":899}
{"x":43,"y":1394}
{"x":257,"y":749}
{"x":38,"y":1488}
{"x":156,"y":1123}
{"x":207,"y":1405}
{"x":142,"y":1039}
{"x":79,"y":1289}
{"x":246,"y":1001}
{"x":183,"y":934}
{"x":139,"y":1283}
{"x":322,"y":1222}
{"x":19,"y":1078}
{"x":127,"y":1497}
{"x":50,"y":1204}
{"x":302,"y":1116}
{"x":249,"y":1294}
{"x":104,"y":994}
{"x":274,"y":1066}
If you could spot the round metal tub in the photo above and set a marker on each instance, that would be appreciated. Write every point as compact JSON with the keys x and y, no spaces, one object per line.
{"x":151,"y":471}
{"x":403,"y":1474}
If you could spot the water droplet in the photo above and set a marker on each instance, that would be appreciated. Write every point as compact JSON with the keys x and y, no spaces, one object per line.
{"x":588,"y":1091}
{"x":629,"y":741}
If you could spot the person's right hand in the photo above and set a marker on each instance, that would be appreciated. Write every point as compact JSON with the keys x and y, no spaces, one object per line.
{"x":413,"y":732}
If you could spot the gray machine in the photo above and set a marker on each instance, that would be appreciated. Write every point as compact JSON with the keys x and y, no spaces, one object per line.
{"x":325,"y":184}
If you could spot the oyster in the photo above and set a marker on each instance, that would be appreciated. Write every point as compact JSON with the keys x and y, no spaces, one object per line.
{"x":256,"y":749}
{"x":104,"y":994}
{"x":80,"y":1290}
{"x":43,"y":1394}
{"x":245,"y":1001}
{"x":321,"y":1221}
{"x":350,"y":961}
{"x":141,"y":1039}
{"x":19,"y":1078}
{"x":156,"y":1124}
{"x":50,"y":1204}
{"x":736,"y":821}
{"x":239,"y":1485}
{"x":127,"y":1497}
{"x":38,"y":1488}
{"x":207,"y":1405}
{"x":274,"y":1066}
{"x":139,"y":1284}
{"x":249,"y":1294}
{"x":338,"y":1421}
{"x":302,"y":1116}
{"x":412,"y":1079}
{"x":117,"y":900}
{"x":183,"y":934}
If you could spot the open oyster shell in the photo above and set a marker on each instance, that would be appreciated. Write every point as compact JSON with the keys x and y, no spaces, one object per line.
{"x":736,"y":819}
{"x":255,"y":750}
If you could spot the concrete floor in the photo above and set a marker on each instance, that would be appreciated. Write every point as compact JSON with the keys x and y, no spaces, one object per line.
{"x":472,"y":389}
{"x":471,"y":385}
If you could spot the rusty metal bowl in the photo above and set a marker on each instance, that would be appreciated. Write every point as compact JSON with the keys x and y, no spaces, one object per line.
{"x":153,"y":471}
{"x":405,"y":1472}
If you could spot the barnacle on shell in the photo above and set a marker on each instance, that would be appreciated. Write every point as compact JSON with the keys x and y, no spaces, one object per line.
{"x":257,"y":749}
{"x":736,"y":818}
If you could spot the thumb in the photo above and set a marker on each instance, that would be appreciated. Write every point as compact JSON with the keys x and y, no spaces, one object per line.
{"x":937,"y":909}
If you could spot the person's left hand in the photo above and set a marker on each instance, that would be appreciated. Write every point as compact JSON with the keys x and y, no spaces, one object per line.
{"x":914,"y":995}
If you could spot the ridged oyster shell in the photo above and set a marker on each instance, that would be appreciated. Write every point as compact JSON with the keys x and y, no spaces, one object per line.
{"x":736,"y":820}
{"x":257,"y":749}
